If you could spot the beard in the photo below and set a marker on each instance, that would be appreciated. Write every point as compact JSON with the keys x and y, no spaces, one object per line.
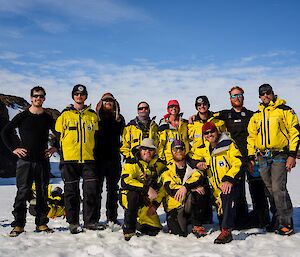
{"x":179,"y":157}
{"x":237,"y":103}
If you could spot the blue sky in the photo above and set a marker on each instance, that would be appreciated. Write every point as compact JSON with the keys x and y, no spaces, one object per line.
{"x":150,"y":50}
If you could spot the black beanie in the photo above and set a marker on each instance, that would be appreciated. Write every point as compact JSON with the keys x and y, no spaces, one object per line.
{"x":79,"y":88}
{"x":265,"y":88}
{"x":202,"y":99}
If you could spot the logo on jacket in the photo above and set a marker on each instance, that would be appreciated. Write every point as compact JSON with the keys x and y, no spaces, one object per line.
{"x":89,"y":127}
{"x":221,"y":163}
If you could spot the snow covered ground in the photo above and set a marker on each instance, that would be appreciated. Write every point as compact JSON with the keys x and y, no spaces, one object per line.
{"x":109,"y":244}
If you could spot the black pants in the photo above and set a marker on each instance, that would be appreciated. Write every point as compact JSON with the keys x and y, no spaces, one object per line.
{"x":177,"y":219}
{"x":228,"y":218}
{"x":258,"y":193}
{"x":111,"y":171}
{"x":135,"y":201}
{"x":26,"y":173}
{"x":71,"y":174}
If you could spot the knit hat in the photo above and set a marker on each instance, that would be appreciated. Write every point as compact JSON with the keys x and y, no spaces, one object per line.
{"x":265,"y":88}
{"x":107,"y":95}
{"x":173,"y":102}
{"x":79,"y":88}
{"x":177,"y":144}
{"x":148,"y":142}
{"x":208,"y":126}
{"x":202,"y":99}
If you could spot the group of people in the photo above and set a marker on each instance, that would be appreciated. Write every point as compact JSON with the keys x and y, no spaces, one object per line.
{"x":187,"y":166}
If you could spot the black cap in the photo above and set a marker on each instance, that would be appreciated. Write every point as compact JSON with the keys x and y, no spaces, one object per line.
{"x":177,"y":144}
{"x":202,"y":99}
{"x":79,"y":88}
{"x":265,"y":88}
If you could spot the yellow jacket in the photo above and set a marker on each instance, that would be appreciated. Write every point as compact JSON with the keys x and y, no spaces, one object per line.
{"x":224,"y":162}
{"x":77,"y":134}
{"x":195,"y":128}
{"x":133,"y":135}
{"x":274,"y":127}
{"x":138,"y":175}
{"x":167,"y":134}
{"x":172,"y":182}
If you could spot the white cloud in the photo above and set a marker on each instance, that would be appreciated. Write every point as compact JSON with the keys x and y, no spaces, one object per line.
{"x":133,"y":83}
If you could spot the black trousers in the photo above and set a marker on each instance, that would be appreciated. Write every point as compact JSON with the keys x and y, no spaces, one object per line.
{"x":26,"y":173}
{"x":71,"y":174}
{"x":110,"y":170}
{"x":228,"y":218}
{"x":177,"y":219}
{"x":135,"y":201}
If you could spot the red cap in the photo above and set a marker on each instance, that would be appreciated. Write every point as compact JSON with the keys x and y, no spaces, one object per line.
{"x":173,"y":102}
{"x":208,"y":126}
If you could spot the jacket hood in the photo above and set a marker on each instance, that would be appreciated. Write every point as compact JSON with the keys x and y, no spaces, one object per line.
{"x":223,"y":144}
{"x":273,"y":104}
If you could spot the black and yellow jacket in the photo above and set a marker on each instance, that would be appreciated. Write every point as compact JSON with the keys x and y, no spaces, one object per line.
{"x":77,"y":134}
{"x":195,"y":128}
{"x":274,"y":127}
{"x":134,"y":133}
{"x":167,"y":134}
{"x":224,"y":161}
{"x":138,"y":175}
{"x":172,"y":181}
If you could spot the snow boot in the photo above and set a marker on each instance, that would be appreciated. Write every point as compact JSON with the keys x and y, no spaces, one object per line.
{"x":43,"y":228}
{"x":16,"y":231}
{"x":199,"y":231}
{"x":225,"y":237}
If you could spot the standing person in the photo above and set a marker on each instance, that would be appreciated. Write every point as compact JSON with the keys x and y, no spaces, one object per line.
{"x":274,"y":140}
{"x":142,"y":126}
{"x":236,"y":121}
{"x":172,"y":127}
{"x":31,"y":147}
{"x":221,"y":158}
{"x":111,"y":124}
{"x":141,"y":194}
{"x":202,"y":116}
{"x":185,"y":194}
{"x":77,"y":125}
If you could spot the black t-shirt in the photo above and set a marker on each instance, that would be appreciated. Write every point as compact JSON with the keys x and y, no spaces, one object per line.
{"x":33,"y":134}
{"x":237,"y":125}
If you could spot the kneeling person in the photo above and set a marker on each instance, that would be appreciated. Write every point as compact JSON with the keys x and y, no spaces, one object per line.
{"x":185,"y":194}
{"x":220,"y":157}
{"x":141,"y":193}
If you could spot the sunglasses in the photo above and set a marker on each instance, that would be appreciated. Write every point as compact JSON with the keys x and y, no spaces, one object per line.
{"x":172,"y":106}
{"x":234,"y":96}
{"x":143,"y":108}
{"x":38,"y":96}
{"x":178,"y":149}
{"x":207,"y":132}
{"x":108,"y":100}
{"x":268,"y":92}
{"x":77,"y":93}
{"x":144,"y":148}
{"x":201,"y":104}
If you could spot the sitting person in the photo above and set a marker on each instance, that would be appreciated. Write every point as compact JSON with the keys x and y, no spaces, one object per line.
{"x":141,"y":193}
{"x":221,"y":159}
{"x":56,"y":206}
{"x":185,"y":195}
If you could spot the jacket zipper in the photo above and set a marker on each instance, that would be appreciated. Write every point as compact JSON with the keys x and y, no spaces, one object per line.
{"x":80,"y":137}
{"x":265,"y":132}
{"x":282,"y":131}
